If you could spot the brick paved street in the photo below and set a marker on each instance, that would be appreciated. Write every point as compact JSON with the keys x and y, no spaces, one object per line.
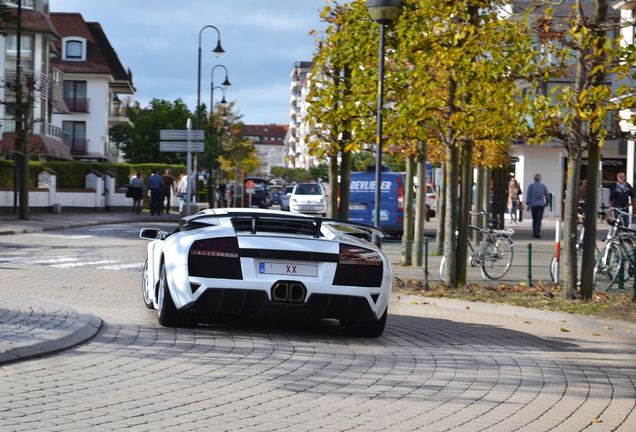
{"x":440,"y":365}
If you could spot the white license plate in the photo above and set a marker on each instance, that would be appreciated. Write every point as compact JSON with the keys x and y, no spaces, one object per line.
{"x":357,"y":206}
{"x":287,"y":269}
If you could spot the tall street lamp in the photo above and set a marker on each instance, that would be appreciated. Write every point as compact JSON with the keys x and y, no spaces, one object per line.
{"x":211,"y":186}
{"x":219,"y":52}
{"x":383,"y":12}
{"x":226,"y":83}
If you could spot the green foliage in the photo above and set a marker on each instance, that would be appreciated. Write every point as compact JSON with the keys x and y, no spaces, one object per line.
{"x":139,"y":141}
{"x":296,"y":175}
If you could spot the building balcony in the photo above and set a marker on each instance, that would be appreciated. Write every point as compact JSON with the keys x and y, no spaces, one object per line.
{"x":77,"y":147}
{"x":77,"y":104}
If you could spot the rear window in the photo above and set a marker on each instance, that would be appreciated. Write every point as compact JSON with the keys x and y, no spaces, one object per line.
{"x":308,"y":189}
{"x":429,"y":189}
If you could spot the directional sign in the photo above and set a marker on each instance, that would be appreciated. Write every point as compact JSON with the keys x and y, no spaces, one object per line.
{"x":180,"y":146}
{"x":181,"y":134}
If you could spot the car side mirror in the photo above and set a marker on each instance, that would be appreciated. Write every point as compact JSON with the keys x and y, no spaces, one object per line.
{"x":152,"y":234}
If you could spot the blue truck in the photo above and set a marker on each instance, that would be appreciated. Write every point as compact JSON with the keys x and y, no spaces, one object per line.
{"x":362,"y":200}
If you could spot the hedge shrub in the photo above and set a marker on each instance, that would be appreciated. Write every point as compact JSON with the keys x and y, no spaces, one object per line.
{"x":72,"y":174}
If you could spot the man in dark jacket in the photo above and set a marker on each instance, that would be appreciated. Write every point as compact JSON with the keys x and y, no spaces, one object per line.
{"x":537,"y":197}
{"x":621,"y":196}
{"x":155,"y":186}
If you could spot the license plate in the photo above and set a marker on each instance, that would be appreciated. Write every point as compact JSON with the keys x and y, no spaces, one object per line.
{"x":357,"y":206}
{"x":288,"y":269}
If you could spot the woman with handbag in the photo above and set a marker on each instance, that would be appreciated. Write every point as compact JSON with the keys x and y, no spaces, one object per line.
{"x":136,"y":191}
{"x":513,"y":199}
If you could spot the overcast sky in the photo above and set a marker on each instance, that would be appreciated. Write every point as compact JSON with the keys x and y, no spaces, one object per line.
{"x":158,"y":41}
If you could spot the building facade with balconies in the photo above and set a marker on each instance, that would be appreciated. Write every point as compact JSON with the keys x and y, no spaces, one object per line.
{"x":37,"y":46}
{"x":627,"y":10}
{"x":298,"y":150}
{"x":96,"y":87}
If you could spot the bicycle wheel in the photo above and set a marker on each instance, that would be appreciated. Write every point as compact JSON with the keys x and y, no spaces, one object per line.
{"x":554,"y":269}
{"x":497,"y":258}
{"x":614,"y":261}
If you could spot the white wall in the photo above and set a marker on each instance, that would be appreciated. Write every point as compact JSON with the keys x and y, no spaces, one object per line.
{"x":542,"y":160}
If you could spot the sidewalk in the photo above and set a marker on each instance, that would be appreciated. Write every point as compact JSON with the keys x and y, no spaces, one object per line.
{"x":31,"y":327}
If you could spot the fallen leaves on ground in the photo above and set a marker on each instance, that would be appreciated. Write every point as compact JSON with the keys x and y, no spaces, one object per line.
{"x":546,"y":296}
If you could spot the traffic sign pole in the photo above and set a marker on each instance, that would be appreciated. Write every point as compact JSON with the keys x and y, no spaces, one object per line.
{"x":188,"y":166}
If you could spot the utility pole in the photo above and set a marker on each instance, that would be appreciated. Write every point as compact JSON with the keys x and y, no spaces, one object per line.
{"x":21,"y":142}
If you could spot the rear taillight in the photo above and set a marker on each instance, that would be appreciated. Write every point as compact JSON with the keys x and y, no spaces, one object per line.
{"x":358,"y":266}
{"x":226,"y":247}
{"x":400,"y":197}
{"x":215,"y":258}
{"x":356,"y":255}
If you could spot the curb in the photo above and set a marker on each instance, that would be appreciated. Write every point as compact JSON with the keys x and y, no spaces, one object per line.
{"x":59,"y":328}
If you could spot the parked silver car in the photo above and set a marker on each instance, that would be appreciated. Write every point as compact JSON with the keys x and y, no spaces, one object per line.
{"x":285,"y":196}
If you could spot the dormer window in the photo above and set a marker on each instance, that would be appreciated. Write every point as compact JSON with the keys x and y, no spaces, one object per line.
{"x":74,"y":48}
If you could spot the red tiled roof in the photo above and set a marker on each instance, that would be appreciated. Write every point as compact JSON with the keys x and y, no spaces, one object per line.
{"x":266,"y":132}
{"x":101,"y":58}
{"x":32,"y":21}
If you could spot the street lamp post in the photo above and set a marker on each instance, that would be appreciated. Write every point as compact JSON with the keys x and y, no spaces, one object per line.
{"x":383,"y":12}
{"x":211,"y":188}
{"x":219,"y":52}
{"x":226,"y":83}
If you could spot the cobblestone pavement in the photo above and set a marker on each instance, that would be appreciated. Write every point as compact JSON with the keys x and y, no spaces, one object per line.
{"x":440,"y":365}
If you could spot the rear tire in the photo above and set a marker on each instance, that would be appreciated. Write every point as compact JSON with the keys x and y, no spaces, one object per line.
{"x":367,"y":329}
{"x":167,"y":313}
{"x":145,"y":288}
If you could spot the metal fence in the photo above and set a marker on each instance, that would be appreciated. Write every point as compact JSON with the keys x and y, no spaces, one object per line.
{"x":531,"y":263}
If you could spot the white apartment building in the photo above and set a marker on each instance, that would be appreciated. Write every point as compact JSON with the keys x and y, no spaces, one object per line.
{"x":97,"y":88}
{"x":549,"y":159}
{"x":298,"y":151}
{"x":38,"y":35}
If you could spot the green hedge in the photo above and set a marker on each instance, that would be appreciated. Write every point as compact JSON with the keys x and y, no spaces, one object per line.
{"x":71,"y":174}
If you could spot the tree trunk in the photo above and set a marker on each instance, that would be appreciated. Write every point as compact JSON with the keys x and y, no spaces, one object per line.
{"x":407,"y":235}
{"x":420,"y":206}
{"x":569,"y":226}
{"x":450,"y":240}
{"x":440,"y":236}
{"x":591,"y":204}
{"x":593,"y":160}
{"x":333,"y":185}
{"x":463,"y":219}
{"x":345,"y":184}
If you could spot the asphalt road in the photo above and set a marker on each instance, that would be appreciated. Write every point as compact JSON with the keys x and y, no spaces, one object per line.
{"x":436,"y":368}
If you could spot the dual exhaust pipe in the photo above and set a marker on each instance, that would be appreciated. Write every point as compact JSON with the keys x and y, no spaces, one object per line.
{"x":289,"y":292}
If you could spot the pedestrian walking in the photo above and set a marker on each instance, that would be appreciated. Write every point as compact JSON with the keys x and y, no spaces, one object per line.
{"x":185,"y":182}
{"x":155,"y":186}
{"x":136,"y":187}
{"x":621,"y":197}
{"x":168,"y":190}
{"x":222,"y":190}
{"x":537,"y":197}
{"x":513,"y":198}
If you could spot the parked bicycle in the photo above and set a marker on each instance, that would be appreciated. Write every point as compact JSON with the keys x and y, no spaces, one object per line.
{"x":616,"y":257}
{"x":556,"y":259}
{"x":495,"y":252}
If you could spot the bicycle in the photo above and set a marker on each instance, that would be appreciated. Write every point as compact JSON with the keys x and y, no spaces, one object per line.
{"x":494,"y":256}
{"x":556,"y":259}
{"x":617,"y":253}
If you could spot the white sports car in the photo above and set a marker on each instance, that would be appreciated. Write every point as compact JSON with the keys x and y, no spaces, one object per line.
{"x":267,"y":263}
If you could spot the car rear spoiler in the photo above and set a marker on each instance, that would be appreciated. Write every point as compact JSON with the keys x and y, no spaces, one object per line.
{"x":356,"y":229}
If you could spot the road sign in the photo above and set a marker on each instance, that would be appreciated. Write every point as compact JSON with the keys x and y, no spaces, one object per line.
{"x":249,"y":187}
{"x":181,"y":135}
{"x":178,"y":146}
